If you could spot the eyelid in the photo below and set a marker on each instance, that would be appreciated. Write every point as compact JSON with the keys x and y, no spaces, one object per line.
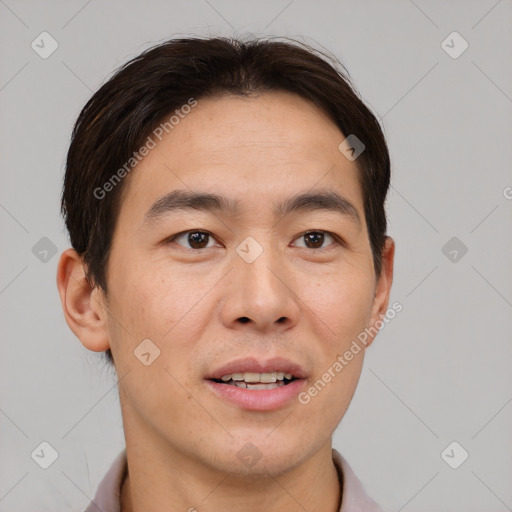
{"x":337,"y":239}
{"x":171,"y":238}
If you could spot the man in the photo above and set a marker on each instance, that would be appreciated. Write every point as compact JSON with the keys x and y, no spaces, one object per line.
{"x":225,"y":204}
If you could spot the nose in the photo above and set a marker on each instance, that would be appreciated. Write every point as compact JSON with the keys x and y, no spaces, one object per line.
{"x":260,"y":295}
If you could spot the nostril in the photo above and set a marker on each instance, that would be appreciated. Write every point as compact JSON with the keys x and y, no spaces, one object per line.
{"x":244,"y":319}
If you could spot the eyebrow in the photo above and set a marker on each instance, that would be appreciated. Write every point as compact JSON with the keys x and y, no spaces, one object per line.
{"x":183,"y":200}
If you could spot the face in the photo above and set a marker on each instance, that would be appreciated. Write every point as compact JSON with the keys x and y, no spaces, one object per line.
{"x":213,"y":286}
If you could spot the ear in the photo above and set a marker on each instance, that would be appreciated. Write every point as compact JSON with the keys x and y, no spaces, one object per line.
{"x":382,"y":288}
{"x":84,"y":307}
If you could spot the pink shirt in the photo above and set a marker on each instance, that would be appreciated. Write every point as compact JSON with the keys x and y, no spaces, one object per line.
{"x":107,"y":498}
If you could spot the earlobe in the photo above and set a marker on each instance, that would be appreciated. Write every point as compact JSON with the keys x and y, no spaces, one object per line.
{"x":83,"y":306}
{"x":383,"y":287}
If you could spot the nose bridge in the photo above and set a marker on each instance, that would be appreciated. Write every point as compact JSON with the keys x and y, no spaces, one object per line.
{"x":257,"y":261}
{"x":259,"y":292}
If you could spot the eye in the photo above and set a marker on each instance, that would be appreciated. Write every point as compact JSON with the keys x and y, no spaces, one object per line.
{"x":315,"y":239}
{"x":201,"y":239}
{"x":196,"y":239}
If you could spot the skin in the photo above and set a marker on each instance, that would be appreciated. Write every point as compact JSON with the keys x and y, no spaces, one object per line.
{"x":181,"y":439}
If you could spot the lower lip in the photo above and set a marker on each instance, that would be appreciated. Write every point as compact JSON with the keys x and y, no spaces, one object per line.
{"x":258,"y":399}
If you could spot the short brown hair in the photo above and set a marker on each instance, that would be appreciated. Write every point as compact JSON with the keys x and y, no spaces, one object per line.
{"x":134,"y":101}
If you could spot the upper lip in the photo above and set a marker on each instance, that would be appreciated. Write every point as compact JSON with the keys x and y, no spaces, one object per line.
{"x":253,"y":365}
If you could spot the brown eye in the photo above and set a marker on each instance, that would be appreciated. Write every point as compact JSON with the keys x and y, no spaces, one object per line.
{"x":315,"y":239}
{"x":195,"y":239}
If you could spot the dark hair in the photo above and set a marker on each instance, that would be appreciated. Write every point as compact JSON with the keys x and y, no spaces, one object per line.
{"x":118,"y":118}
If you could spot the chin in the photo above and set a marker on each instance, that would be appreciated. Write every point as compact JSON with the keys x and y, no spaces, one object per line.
{"x":258,"y":455}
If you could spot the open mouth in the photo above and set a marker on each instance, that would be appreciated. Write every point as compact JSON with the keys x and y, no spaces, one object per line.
{"x":256,"y":381}
{"x":266,"y":391}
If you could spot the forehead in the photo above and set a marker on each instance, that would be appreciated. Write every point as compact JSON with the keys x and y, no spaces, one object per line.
{"x":250,"y":149}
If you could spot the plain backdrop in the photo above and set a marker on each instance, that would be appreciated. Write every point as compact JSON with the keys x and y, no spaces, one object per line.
{"x":438,"y":373}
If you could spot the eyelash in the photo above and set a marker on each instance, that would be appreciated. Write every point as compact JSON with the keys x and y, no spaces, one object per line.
{"x":336,"y":238}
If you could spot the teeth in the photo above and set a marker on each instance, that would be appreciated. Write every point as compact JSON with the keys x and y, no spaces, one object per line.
{"x":251,"y":377}
{"x":267,"y":377}
{"x":270,"y":385}
{"x":249,"y":385}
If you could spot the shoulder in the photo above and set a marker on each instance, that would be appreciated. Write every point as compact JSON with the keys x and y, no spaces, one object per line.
{"x":354,"y":497}
{"x":107,"y":497}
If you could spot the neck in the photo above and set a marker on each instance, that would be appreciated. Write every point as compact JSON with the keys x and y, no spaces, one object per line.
{"x":313,"y":486}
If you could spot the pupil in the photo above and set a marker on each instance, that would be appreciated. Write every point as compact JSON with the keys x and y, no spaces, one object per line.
{"x":316,"y":238}
{"x":197,"y":238}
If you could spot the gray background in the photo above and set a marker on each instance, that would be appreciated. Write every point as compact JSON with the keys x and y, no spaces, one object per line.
{"x":439,"y":372}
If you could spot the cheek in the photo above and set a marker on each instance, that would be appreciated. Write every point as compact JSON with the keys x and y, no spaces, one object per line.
{"x":325,"y":401}
{"x":340,"y":309}
{"x":161,"y":309}
{"x":340,"y":305}
{"x":154,"y":299}
{"x":167,"y":309}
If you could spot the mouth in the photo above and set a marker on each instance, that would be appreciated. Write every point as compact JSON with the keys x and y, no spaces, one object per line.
{"x":257,"y":381}
{"x":258,"y":385}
